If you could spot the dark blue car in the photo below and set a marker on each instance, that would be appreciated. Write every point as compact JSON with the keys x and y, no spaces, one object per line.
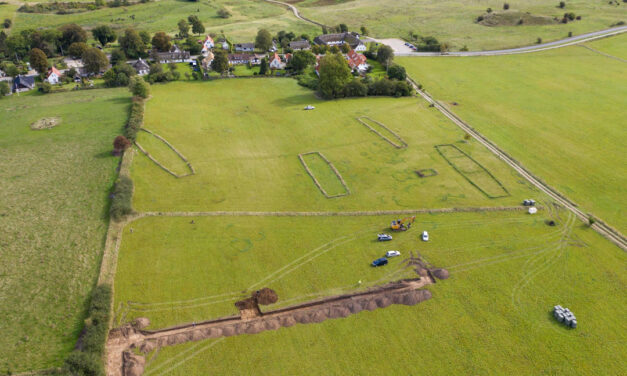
{"x":380,"y":262}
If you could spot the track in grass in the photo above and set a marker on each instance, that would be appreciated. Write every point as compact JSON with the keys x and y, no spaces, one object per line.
{"x":178,"y":153}
{"x":384,"y":132}
{"x":477,"y":175}
{"x":324,"y":174}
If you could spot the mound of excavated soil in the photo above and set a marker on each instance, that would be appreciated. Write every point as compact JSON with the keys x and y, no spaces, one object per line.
{"x":133,"y":365}
{"x":141,"y":323}
{"x":441,"y":273}
{"x":514,"y":18}
{"x":45,"y":123}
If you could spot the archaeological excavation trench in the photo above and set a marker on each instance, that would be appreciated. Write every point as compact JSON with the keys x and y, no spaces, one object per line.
{"x":128,"y":345}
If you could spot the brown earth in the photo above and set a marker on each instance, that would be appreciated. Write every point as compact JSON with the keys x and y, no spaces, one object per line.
{"x":45,"y":123}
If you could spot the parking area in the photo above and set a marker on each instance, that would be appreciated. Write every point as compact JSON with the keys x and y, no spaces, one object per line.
{"x":398,"y":45}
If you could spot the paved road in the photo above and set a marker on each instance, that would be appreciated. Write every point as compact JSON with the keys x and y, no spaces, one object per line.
{"x":519,"y":50}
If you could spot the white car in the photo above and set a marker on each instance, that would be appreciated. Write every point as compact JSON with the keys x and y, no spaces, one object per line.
{"x":392,"y":254}
{"x":425,"y":236}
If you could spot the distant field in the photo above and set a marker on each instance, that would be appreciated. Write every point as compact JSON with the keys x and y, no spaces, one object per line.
{"x":53,"y":218}
{"x":248,"y":17}
{"x":560,"y":113}
{"x":615,"y":46}
{"x":507,"y":272}
{"x":453,"y":21}
{"x":244,"y":136}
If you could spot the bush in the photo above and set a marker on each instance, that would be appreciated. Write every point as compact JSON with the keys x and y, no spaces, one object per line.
{"x":308,"y":80}
{"x":135,"y":119}
{"x":397,"y":72}
{"x":119,"y":75}
{"x":120,"y":143}
{"x":505,"y":6}
{"x":139,"y":87}
{"x":4,"y":89}
{"x":45,"y":87}
{"x":489,"y":10}
{"x":480,"y":18}
{"x":7,"y":23}
{"x":355,"y":88}
{"x":539,"y":41}
{"x":121,"y":203}
{"x":223,"y":13}
{"x":81,"y":363}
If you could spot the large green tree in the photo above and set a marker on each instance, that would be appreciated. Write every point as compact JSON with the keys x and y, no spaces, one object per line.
{"x":38,"y":60}
{"x":301,"y":60}
{"x":95,"y":60}
{"x":76,"y":49}
{"x":220,"y":61}
{"x":72,"y":33}
{"x":197,"y":26}
{"x":183,"y":28}
{"x":132,"y":44}
{"x":334,"y":75}
{"x":385,"y":54}
{"x":139,"y":87}
{"x":263,"y":41}
{"x":104,"y":34}
{"x":161,"y":41}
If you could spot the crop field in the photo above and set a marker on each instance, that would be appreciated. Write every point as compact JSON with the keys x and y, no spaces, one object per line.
{"x":507,"y":272}
{"x":453,"y":21}
{"x":53,"y":218}
{"x":247,"y":18}
{"x":560,"y":113}
{"x":243,"y":137}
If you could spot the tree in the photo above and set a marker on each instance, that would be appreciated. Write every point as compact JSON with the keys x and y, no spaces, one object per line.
{"x":263,"y":41}
{"x":397,"y":72}
{"x":10,"y":69}
{"x":301,"y":60}
{"x":161,"y":42}
{"x":72,"y":33}
{"x":139,"y":87}
{"x":77,"y":49}
{"x":183,"y":28}
{"x":95,"y":60}
{"x":145,"y":37}
{"x":506,"y":6}
{"x":120,"y":144}
{"x":119,"y":75}
{"x":385,"y":54}
{"x":334,"y":49}
{"x":132,"y":44}
{"x":192,"y":45}
{"x":224,"y":13}
{"x":220,"y":61}
{"x":562,"y":4}
{"x":263,"y":67}
{"x":363,"y":30}
{"x":4,"y":89}
{"x":355,"y":88}
{"x":343,"y":28}
{"x":197,"y":26}
{"x":38,"y":60}
{"x":7,"y":23}
{"x":117,"y":56}
{"x":104,"y":34}
{"x":345,"y":48}
{"x":334,"y":75}
{"x":17,"y":46}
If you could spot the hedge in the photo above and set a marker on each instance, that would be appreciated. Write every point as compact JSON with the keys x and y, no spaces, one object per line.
{"x":135,"y":119}
{"x":121,"y":203}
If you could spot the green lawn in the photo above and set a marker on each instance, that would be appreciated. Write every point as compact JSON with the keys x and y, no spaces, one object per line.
{"x":244,"y":136}
{"x":53,"y":218}
{"x":491,"y":316}
{"x":453,"y":21}
{"x":615,"y":46}
{"x":560,"y":113}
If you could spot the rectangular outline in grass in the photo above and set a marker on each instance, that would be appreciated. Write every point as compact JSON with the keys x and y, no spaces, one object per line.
{"x":448,"y":160}
{"x":401,"y":146}
{"x":313,"y":177}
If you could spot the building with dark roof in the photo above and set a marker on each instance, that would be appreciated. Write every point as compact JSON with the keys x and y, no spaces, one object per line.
{"x":297,"y":45}
{"x":337,"y":39}
{"x":23,"y":83}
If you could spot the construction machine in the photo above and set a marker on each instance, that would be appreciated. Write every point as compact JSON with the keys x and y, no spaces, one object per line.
{"x":402,"y":224}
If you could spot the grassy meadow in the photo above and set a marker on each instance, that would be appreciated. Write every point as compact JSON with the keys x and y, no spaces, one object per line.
{"x":243,"y":138}
{"x":615,"y":46}
{"x":453,"y":21}
{"x":560,"y":113}
{"x":507,"y":272}
{"x":53,"y":218}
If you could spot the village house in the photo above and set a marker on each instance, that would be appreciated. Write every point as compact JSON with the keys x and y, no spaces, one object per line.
{"x":175,"y":55}
{"x":53,"y":76}
{"x":207,"y":45}
{"x":356,"y":61}
{"x":352,"y":39}
{"x":222,"y":42}
{"x":23,"y":83}
{"x":361,"y":47}
{"x":141,"y":67}
{"x":241,"y":59}
{"x":276,"y":62}
{"x":245,"y":47}
{"x":298,"y":45}
{"x":206,"y":61}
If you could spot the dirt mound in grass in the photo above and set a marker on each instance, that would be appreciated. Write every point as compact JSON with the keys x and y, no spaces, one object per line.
{"x":441,"y":273}
{"x":133,"y":365}
{"x":514,"y":18}
{"x":45,"y":123}
{"x":141,"y":323}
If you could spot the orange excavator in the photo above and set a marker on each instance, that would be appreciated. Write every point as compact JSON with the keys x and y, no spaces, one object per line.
{"x":402,"y":224}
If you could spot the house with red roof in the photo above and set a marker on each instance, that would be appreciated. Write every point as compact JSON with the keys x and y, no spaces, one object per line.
{"x":53,"y":76}
{"x":276,"y":62}
{"x":207,"y":45}
{"x":356,"y":61}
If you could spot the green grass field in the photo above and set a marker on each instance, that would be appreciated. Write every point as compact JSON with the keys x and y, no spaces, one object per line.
{"x":615,"y":46}
{"x":453,"y":21}
{"x":558,"y":112}
{"x":247,"y":18}
{"x":53,"y":218}
{"x":507,"y":271}
{"x":244,"y":136}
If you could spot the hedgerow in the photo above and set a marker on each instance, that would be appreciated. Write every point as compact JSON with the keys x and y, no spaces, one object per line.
{"x":121,"y":203}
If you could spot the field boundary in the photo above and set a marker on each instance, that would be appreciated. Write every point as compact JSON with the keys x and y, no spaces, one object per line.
{"x":603,"y":53}
{"x":187,"y":162}
{"x":313,"y":177}
{"x":507,"y":194}
{"x":401,"y":146}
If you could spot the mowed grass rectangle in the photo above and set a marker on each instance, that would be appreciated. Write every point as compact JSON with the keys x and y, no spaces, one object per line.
{"x":493,"y":315}
{"x":243,"y":138}
{"x":560,"y":113}
{"x":53,"y":218}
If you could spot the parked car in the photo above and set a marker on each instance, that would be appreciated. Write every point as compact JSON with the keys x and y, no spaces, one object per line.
{"x":392,"y":254}
{"x":529,"y":202}
{"x":425,"y":236}
{"x":384,"y":237}
{"x":380,"y":262}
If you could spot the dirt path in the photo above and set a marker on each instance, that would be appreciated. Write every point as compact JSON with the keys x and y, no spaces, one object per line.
{"x":296,"y":12}
{"x":599,"y":226}
{"x":603,"y":53}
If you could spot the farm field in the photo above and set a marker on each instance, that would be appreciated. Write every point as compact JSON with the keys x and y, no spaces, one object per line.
{"x":243,"y":138}
{"x":247,"y":18}
{"x":615,"y":46}
{"x":558,"y":112}
{"x":53,"y":218}
{"x":507,"y":271}
{"x":453,"y":22}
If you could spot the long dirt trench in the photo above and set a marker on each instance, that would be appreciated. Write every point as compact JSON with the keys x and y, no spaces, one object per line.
{"x":125,"y":343}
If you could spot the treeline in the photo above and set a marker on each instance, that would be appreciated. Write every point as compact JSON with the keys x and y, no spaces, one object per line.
{"x":75,"y":7}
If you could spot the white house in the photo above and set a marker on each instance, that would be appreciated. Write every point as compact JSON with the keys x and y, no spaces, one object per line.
{"x":53,"y":76}
{"x":245,"y":47}
{"x":357,"y":61}
{"x":275,"y":62}
{"x":361,"y":47}
{"x":141,"y":67}
{"x":207,"y":45}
